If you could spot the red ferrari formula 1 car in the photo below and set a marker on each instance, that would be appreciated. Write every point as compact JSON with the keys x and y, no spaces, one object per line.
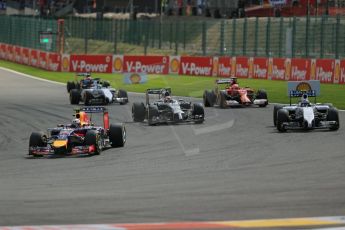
{"x":233,"y":95}
{"x":79,"y":137}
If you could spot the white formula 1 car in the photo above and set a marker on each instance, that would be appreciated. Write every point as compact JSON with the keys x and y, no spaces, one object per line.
{"x":305,"y":115}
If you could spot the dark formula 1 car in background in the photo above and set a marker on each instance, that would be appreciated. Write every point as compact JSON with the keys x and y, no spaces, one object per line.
{"x":165,"y":109}
{"x":79,"y":137}
{"x":232,"y":95}
{"x":93,"y":91}
{"x":305,"y":115}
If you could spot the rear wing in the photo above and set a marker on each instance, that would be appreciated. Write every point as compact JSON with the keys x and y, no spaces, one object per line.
{"x":157,"y":91}
{"x":310,"y":88}
{"x":92,"y":109}
{"x":224,"y":81}
{"x":87,"y":74}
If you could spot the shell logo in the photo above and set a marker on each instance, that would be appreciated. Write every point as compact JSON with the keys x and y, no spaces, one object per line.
{"x":303,"y":86}
{"x":65,"y":63}
{"x":117,"y":64}
{"x":135,"y":78}
{"x":174,"y":65}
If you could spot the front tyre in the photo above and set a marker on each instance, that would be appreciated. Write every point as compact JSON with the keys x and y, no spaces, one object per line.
{"x":123,"y":94}
{"x":282,"y":117}
{"x":117,"y":135}
{"x":333,"y":115}
{"x":93,"y":138}
{"x":198,"y":113}
{"x":138,"y":111}
{"x":74,"y":97}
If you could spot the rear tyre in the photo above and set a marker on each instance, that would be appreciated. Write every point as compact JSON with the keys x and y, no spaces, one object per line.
{"x":333,"y":115}
{"x":70,"y":85}
{"x":123,"y":94}
{"x":222,"y":100}
{"x":138,"y":111}
{"x":198,"y":110}
{"x":117,"y":135}
{"x":74,"y":96}
{"x":275,"y":111}
{"x":209,"y":98}
{"x":92,"y":138}
{"x":282,"y":116}
{"x":262,"y":94}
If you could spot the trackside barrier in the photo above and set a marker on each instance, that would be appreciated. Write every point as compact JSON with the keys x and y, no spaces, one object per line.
{"x":331,"y":71}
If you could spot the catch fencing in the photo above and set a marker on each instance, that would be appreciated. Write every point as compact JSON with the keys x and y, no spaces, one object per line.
{"x":306,"y":37}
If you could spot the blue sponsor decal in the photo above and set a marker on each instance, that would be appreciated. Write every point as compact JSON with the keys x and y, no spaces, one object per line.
{"x":135,"y":78}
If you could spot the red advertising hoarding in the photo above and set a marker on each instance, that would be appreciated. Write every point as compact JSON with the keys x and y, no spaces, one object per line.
{"x":42,"y":60}
{"x":196,"y":66}
{"x":91,"y":63}
{"x":54,"y":62}
{"x":17,"y":54}
{"x":3,"y":50}
{"x":25,"y":53}
{"x":342,"y":72}
{"x":224,"y":67}
{"x":300,"y":69}
{"x":260,"y":68}
{"x":325,"y":70}
{"x":278,"y":69}
{"x":10,"y":53}
{"x":244,"y":67}
{"x":146,"y":64}
{"x":34,"y":56}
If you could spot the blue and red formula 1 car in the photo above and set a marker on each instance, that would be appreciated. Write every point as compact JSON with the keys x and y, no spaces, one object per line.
{"x":79,"y":137}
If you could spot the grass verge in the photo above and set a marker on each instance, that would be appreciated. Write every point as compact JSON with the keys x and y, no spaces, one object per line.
{"x":188,"y":85}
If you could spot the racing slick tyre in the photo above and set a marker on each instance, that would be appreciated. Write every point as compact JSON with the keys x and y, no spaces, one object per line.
{"x":198,"y":110}
{"x":92,"y":138}
{"x":151,"y":113}
{"x":74,"y":97}
{"x":209,"y":98}
{"x":222,"y":100}
{"x":275,"y":110}
{"x":37,"y":139}
{"x":123,"y":94}
{"x":70,"y":86}
{"x":333,"y":115}
{"x":282,"y":116}
{"x":262,"y":94}
{"x":88,"y":97}
{"x":138,"y":111}
{"x":117,"y":135}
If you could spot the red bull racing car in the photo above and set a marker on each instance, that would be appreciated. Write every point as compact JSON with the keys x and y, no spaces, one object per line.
{"x":79,"y":137}
{"x":233,"y":95}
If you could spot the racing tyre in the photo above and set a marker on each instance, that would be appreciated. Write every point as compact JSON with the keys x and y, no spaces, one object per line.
{"x":123,"y":94}
{"x":37,"y":139}
{"x":282,"y":116}
{"x":222,"y":100}
{"x":275,"y":111}
{"x":198,"y":110}
{"x":92,"y":138}
{"x":262,"y":94}
{"x":138,"y":111}
{"x":74,"y":97}
{"x":70,"y":86}
{"x":209,"y":98}
{"x":87,"y":98}
{"x":333,"y":115}
{"x":117,"y":135}
{"x":152,"y":112}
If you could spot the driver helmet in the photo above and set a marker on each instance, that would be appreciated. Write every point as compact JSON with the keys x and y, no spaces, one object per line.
{"x":304,"y":100}
{"x":75,"y":123}
{"x":233,"y":81}
{"x":167,"y":99}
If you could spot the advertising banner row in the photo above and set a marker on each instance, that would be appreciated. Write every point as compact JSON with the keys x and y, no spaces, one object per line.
{"x":288,"y":69}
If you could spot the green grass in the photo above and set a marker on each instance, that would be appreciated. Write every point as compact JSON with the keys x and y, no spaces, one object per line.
{"x":190,"y":86}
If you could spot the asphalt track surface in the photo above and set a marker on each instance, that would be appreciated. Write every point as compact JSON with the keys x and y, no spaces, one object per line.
{"x":235,"y":166}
